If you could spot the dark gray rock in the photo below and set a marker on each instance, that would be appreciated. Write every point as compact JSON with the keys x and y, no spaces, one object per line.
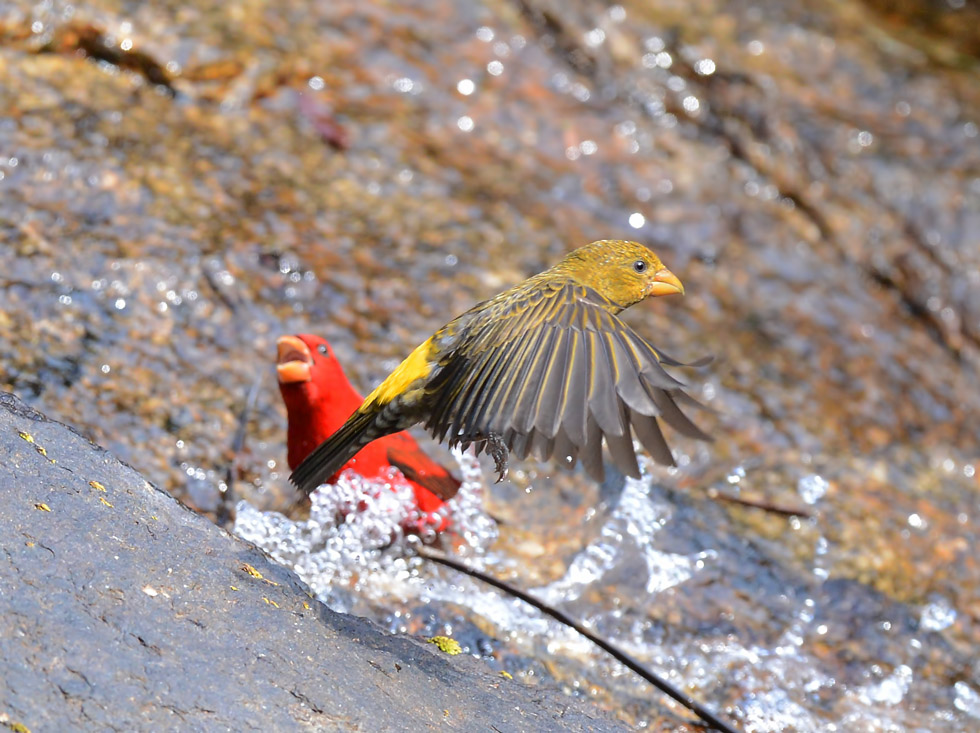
{"x":122,"y":610}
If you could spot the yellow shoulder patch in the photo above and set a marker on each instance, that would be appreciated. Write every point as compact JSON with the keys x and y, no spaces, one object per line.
{"x":417,"y":365}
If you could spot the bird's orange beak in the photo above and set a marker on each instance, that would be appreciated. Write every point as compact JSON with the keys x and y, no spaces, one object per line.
{"x":293,"y":360}
{"x":665,"y":283}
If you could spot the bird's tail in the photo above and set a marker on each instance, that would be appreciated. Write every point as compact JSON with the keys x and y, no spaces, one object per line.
{"x":328,"y":457}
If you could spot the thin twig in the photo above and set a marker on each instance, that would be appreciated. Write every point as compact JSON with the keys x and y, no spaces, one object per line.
{"x":225,"y":514}
{"x":786,"y":511}
{"x":620,"y":656}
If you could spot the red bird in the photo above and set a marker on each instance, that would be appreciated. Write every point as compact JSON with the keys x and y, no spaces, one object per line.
{"x":319,"y":398}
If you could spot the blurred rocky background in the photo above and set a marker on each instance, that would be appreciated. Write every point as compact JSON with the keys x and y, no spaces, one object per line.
{"x":182,"y":183}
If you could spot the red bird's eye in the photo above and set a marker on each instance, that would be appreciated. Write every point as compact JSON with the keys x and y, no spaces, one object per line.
{"x":322,"y":348}
{"x":640,"y":266}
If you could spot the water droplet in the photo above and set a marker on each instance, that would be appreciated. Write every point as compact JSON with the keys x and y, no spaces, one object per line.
{"x":967,"y":699}
{"x":581,"y":92}
{"x":937,"y":615}
{"x":705,"y":67}
{"x":812,"y":488}
{"x":626,"y":128}
{"x":403,"y":84}
{"x":891,"y":690}
{"x":595,"y":37}
{"x":654,"y":44}
{"x":465,"y":87}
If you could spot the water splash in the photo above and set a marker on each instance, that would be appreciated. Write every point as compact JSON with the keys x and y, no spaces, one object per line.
{"x":891,"y":690}
{"x":967,"y":699}
{"x":937,"y":615}
{"x":361,"y":561}
{"x":812,"y":488}
{"x":631,"y":527}
{"x":354,"y":545}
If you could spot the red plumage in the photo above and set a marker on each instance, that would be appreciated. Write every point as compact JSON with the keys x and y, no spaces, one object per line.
{"x":319,"y":398}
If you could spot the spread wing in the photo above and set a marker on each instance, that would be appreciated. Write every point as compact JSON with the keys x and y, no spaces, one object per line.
{"x":555,"y":372}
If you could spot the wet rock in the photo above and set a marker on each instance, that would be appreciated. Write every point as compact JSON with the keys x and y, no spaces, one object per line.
{"x":123,"y":610}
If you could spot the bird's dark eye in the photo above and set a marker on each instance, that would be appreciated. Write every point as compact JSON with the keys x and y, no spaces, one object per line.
{"x":640,"y":266}
{"x":322,"y":348}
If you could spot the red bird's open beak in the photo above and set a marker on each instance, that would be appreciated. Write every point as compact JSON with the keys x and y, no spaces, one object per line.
{"x":293,"y":360}
{"x":665,"y":283}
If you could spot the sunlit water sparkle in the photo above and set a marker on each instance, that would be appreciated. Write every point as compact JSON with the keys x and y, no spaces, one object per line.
{"x":355,"y":557}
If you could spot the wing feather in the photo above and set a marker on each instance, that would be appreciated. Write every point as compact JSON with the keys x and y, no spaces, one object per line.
{"x":648,"y":431}
{"x":544,"y":363}
{"x":648,"y":359}
{"x":467,"y":401}
{"x":591,"y":452}
{"x":626,"y":366}
{"x":454,"y":380}
{"x":555,"y":373}
{"x":572,"y":409}
{"x":564,"y":450}
{"x":519,"y":445}
{"x":541,"y":445}
{"x":547,"y":413}
{"x":507,"y":359}
{"x":673,"y":416}
{"x":622,"y":452}
{"x":603,"y":403}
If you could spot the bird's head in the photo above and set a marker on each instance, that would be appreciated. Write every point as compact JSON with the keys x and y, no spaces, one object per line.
{"x":308,"y":371}
{"x":315,"y":390}
{"x":294,"y":358}
{"x":624,"y":272}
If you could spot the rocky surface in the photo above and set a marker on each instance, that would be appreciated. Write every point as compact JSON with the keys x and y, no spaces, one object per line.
{"x":123,"y":610}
